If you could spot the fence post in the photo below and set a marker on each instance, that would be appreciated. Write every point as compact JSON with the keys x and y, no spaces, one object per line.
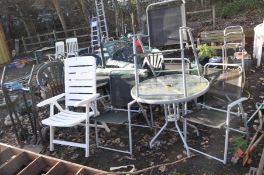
{"x":40,"y":44}
{"x":74,"y":33}
{"x":54,"y":35}
{"x":24,"y":44}
{"x":213,"y":14}
{"x":17,"y":46}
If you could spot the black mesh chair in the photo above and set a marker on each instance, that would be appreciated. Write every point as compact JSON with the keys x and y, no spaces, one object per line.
{"x":162,"y":20}
{"x":50,"y":78}
{"x":120,"y":112}
{"x":219,"y":106}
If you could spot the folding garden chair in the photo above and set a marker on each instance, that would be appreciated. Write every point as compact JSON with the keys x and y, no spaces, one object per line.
{"x":120,"y":111}
{"x":71,"y":47}
{"x":225,"y":91}
{"x":80,"y":91}
{"x":162,"y":20}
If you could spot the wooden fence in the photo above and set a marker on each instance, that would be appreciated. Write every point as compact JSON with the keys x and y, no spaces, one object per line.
{"x":83,"y":34}
{"x":209,"y":11}
{"x":48,"y":39}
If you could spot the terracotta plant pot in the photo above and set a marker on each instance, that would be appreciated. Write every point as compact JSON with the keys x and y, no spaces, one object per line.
{"x":249,"y":40}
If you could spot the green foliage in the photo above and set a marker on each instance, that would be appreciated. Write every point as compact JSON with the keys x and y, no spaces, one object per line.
{"x":174,"y":172}
{"x":205,"y":51}
{"x":240,"y":142}
{"x":238,"y":6}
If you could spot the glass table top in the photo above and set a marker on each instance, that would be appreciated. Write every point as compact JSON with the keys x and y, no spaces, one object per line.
{"x":169,"y":88}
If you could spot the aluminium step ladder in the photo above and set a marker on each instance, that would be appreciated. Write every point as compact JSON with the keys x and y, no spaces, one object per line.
{"x":94,"y":33}
{"x":100,"y":12}
{"x":99,"y":29}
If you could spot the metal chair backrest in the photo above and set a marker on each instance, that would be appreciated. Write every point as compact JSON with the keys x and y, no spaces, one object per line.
{"x":124,"y":54}
{"x":162,"y":20}
{"x":80,"y":79}
{"x":234,"y":35}
{"x":225,"y":84}
{"x":121,"y":83}
{"x":59,"y":50}
{"x":72,"y":47}
{"x":50,"y":78}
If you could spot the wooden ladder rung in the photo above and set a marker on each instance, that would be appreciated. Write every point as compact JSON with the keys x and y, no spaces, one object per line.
{"x":82,"y":171}
{"x":37,"y":166}
{"x":54,"y":169}
{"x":22,"y":162}
{"x":62,"y":168}
{"x":6,"y":155}
{"x":15,"y":164}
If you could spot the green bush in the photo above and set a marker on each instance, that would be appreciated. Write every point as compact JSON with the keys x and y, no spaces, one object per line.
{"x":205,"y":51}
{"x":232,"y":8}
{"x":240,"y":142}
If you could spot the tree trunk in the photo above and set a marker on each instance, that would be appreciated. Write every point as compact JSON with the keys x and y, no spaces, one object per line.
{"x":117,"y":19}
{"x":23,"y":20}
{"x":56,"y":5}
{"x":85,"y":11}
{"x":139,"y":15}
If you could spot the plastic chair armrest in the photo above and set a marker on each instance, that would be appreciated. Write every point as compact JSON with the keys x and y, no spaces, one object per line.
{"x":87,"y":100}
{"x":50,"y":100}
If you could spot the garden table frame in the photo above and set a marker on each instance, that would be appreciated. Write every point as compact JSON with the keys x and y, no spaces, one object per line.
{"x":168,"y":91}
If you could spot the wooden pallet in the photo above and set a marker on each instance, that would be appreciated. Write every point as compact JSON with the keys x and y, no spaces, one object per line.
{"x":18,"y":161}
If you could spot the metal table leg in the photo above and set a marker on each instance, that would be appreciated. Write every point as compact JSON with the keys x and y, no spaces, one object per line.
{"x":175,"y":114}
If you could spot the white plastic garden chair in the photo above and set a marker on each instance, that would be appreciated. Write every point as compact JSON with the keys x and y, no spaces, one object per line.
{"x":154,"y":61}
{"x":71,"y":47}
{"x":80,"y":91}
{"x":59,"y":52}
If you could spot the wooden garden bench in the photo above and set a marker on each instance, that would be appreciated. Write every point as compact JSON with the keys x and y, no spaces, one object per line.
{"x":215,"y":38}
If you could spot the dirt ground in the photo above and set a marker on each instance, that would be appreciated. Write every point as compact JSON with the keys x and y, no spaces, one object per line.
{"x":169,"y":147}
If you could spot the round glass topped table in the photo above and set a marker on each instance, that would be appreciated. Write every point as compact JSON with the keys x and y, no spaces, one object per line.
{"x":168,"y":91}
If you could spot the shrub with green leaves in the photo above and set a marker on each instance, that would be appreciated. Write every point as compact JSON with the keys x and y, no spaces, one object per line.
{"x":205,"y":51}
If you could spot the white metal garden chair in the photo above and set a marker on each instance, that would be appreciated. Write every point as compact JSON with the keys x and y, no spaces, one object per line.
{"x":59,"y":52}
{"x":80,"y":91}
{"x":71,"y":47}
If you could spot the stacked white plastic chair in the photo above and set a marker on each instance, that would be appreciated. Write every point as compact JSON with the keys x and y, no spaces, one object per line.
{"x":71,"y":47}
{"x":59,"y":52}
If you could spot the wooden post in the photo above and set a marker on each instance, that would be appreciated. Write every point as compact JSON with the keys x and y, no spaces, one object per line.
{"x":39,"y":40}
{"x":17,"y":46}
{"x":213,"y":15}
{"x":74,"y":33}
{"x":24,"y":44}
{"x":54,"y":35}
{"x":4,"y":50}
